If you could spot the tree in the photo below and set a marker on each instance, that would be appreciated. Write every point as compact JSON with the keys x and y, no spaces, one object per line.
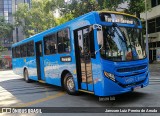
{"x":72,"y":9}
{"x":80,"y":7}
{"x":65,"y":18}
{"x":5,"y":32}
{"x":35,"y":19}
{"x":2,"y":48}
{"x":40,"y":16}
{"x":111,"y":5}
{"x":136,"y":7}
{"x":5,"y":29}
{"x":75,"y":8}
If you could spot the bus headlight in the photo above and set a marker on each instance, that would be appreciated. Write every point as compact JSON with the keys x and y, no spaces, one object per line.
{"x":109,"y":75}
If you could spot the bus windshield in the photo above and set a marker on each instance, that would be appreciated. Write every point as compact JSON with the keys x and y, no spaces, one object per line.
{"x":122,"y":44}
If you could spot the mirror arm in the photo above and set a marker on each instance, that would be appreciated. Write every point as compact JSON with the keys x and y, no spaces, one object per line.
{"x":100,"y":41}
{"x":98,"y":50}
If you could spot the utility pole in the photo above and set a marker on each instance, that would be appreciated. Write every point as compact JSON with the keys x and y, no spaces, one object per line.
{"x":147,"y":49}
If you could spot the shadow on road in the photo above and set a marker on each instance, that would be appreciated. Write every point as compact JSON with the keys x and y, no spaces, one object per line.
{"x":15,"y":91}
{"x":20,"y":89}
{"x":117,"y":100}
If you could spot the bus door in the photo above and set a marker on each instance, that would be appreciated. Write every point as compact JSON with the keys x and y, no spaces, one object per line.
{"x":39,"y":60}
{"x":83,"y":59}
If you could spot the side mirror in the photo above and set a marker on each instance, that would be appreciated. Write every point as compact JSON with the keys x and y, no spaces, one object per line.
{"x":100,"y":37}
{"x":99,"y":33}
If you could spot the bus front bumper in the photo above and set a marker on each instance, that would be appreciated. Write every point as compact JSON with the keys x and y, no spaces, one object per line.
{"x":111,"y":88}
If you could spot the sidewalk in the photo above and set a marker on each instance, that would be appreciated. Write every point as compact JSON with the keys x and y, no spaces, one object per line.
{"x":154,"y":69}
{"x":7,"y":73}
{"x":5,"y":69}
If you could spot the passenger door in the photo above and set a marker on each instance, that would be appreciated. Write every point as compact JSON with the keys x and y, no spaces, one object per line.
{"x":83,"y":58}
{"x":39,"y":60}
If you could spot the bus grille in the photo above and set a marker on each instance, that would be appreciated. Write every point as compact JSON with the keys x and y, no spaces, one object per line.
{"x":129,"y":85}
{"x":132,"y":69}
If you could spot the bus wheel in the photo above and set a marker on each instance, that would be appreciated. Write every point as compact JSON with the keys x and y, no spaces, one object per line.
{"x":69,"y":84}
{"x":26,"y":77}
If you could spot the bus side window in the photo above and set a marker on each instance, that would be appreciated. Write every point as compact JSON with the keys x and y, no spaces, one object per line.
{"x":30,"y":49}
{"x":17,"y":50}
{"x":50,"y":44}
{"x":23,"y":49}
{"x":64,"y":41}
{"x":46,"y":43}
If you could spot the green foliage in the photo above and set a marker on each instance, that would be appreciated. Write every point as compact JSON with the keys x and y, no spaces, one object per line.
{"x":80,"y":7}
{"x":76,"y":8}
{"x":64,"y":19}
{"x":5,"y":29}
{"x":136,"y":7}
{"x":85,"y":6}
{"x":109,"y":4}
{"x":2,"y":48}
{"x":40,"y":16}
{"x":35,"y":19}
{"x":55,"y":4}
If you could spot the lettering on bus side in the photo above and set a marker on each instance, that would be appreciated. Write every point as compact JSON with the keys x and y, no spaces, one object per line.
{"x":66,"y":59}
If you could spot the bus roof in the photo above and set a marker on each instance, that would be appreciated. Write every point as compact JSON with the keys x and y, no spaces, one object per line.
{"x":59,"y":27}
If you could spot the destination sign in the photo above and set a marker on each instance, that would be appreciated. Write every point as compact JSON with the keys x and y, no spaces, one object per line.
{"x":119,"y":18}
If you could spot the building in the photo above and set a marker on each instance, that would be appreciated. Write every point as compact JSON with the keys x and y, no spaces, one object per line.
{"x":153,"y":18}
{"x":7,"y":9}
{"x":17,"y":33}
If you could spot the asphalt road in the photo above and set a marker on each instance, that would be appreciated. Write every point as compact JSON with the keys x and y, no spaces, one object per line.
{"x":15,"y":92}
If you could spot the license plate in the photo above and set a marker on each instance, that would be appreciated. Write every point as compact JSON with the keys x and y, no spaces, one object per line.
{"x":135,"y":88}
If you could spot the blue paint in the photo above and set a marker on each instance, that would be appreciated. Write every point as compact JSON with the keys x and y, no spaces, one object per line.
{"x":84,"y":86}
{"x":90,"y":87}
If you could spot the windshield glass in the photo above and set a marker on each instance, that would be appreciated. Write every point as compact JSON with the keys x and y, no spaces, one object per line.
{"x":122,"y":44}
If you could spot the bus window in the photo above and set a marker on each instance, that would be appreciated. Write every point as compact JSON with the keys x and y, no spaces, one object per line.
{"x":17,"y":50}
{"x":23,"y":49}
{"x":63,"y":41}
{"x":30,"y":49}
{"x":50,"y":43}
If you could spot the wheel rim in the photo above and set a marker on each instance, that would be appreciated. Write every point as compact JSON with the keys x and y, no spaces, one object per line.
{"x":70,"y":84}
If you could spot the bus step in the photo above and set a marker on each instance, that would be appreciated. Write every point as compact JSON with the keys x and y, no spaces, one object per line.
{"x":90,"y":92}
{"x":41,"y":81}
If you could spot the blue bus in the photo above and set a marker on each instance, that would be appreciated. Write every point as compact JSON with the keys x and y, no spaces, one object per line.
{"x":101,"y":52}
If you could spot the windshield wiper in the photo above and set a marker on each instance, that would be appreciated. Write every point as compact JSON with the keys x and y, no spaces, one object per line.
{"x":123,"y":37}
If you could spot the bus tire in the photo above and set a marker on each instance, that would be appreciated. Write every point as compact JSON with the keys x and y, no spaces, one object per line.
{"x":26,"y":76}
{"x":69,"y":84}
